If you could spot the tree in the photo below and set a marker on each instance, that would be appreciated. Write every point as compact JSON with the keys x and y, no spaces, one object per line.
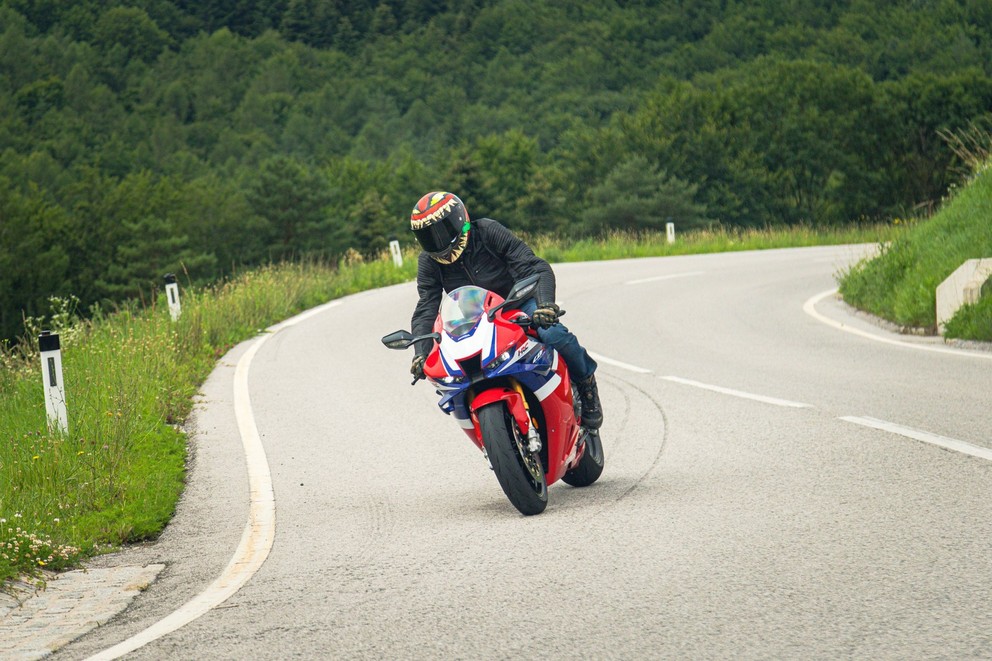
{"x":292,"y":199}
{"x":131,"y":30}
{"x":637,"y":196}
{"x":33,"y":263}
{"x":150,"y":249}
{"x":921,"y":105}
{"x":369,"y":225}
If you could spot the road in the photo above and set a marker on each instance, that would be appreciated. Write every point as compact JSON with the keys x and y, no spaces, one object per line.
{"x":747,"y":510}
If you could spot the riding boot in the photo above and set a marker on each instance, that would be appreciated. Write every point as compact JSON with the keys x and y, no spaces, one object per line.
{"x":592,"y":410}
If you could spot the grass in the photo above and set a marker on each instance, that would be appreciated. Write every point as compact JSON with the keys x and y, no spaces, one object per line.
{"x":900,"y":284}
{"x":130,"y":377}
{"x":626,"y":245}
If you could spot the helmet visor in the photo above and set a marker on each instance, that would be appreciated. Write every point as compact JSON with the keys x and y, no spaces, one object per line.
{"x":441,"y":236}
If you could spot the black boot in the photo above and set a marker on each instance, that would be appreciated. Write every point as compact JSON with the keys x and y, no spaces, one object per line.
{"x":592,"y":410}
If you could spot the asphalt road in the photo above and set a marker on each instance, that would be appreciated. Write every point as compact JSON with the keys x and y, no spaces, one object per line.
{"x":746,"y":509}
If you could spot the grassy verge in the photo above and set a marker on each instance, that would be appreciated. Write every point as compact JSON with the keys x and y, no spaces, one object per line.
{"x":900,"y":284}
{"x":130,"y":377}
{"x":624,"y":245}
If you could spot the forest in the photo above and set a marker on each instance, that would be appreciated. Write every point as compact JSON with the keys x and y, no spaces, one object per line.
{"x":140,"y":137}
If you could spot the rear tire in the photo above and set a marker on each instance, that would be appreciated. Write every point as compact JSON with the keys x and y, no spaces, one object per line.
{"x":519,"y":472}
{"x":590,"y":465}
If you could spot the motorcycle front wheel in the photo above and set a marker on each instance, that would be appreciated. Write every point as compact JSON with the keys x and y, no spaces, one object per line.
{"x":518,"y":471}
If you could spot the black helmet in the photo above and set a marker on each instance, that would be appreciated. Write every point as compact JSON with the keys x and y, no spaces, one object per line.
{"x":440,"y":223}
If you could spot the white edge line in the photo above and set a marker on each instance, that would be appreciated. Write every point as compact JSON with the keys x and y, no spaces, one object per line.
{"x":737,"y":393}
{"x":809,"y":307}
{"x":934,"y":439}
{"x":664,"y":277}
{"x":616,"y":363}
{"x":259,"y":532}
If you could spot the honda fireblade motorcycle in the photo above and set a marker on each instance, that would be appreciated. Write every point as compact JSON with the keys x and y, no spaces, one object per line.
{"x":509,"y":392}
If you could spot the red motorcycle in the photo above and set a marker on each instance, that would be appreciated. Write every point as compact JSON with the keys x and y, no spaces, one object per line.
{"x":509,"y":392}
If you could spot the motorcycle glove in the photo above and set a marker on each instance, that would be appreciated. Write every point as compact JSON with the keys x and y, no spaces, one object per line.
{"x":546,"y":315}
{"x":417,"y":367}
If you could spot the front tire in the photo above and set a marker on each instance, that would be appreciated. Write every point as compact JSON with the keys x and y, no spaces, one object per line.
{"x":518,"y":471}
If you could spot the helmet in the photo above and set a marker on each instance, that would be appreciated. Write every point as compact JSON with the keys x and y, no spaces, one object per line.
{"x":441,"y":224}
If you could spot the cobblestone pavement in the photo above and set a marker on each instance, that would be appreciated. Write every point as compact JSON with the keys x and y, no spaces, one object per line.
{"x":34,"y":623}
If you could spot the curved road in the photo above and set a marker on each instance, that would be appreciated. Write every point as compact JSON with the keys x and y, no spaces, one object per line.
{"x":775,"y":487}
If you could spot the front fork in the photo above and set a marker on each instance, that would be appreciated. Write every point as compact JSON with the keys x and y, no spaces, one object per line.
{"x":516,"y":403}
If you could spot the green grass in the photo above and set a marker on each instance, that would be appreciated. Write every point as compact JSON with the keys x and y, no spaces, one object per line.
{"x":900,"y":284}
{"x":130,"y":377}
{"x":626,"y":245}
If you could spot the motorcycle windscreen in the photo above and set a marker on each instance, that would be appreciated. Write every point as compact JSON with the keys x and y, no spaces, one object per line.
{"x":461,"y":310}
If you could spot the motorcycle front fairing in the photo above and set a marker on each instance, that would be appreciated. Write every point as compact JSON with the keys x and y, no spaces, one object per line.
{"x":479,"y":361}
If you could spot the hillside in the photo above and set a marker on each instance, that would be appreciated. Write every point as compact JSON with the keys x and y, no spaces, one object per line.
{"x":147,"y":136}
{"x":900,"y":284}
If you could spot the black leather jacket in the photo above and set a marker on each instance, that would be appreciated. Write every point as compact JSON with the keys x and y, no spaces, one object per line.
{"x":493,"y":259}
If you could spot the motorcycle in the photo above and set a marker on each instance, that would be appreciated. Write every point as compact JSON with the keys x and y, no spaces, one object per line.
{"x":509,"y":392}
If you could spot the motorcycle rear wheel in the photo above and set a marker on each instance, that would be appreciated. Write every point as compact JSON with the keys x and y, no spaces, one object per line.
{"x":518,"y":471}
{"x":590,"y":465}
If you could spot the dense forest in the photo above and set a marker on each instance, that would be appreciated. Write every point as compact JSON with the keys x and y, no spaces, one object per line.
{"x":145,"y":136}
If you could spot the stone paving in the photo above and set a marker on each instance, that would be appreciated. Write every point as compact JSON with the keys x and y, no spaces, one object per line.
{"x":34,"y":623}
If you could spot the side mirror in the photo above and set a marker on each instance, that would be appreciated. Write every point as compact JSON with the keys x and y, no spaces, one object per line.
{"x":521,"y":291}
{"x":402,"y":339}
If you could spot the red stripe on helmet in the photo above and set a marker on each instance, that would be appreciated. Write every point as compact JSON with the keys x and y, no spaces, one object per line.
{"x":429,"y":204}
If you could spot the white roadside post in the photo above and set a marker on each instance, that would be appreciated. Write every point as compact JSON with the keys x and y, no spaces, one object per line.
{"x":394,"y":249}
{"x":670,"y":232}
{"x":51,"y":370}
{"x":172,"y":292}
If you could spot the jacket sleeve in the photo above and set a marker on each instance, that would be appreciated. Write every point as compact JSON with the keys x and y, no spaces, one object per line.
{"x":521,"y":260}
{"x":430,"y":289}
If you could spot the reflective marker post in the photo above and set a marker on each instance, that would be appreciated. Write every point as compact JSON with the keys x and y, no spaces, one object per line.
{"x":51,"y":370}
{"x":172,"y":292}
{"x":394,"y":249}
{"x":670,"y":232}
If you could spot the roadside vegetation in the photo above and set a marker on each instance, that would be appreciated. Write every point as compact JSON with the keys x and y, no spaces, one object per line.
{"x":900,"y":284}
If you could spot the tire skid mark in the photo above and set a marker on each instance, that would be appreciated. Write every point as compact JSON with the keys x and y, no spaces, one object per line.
{"x":656,"y":460}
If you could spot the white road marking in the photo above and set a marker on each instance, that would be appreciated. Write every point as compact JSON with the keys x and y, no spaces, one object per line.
{"x":616,"y":363}
{"x":934,"y":439}
{"x":696,"y":384}
{"x":809,"y":307}
{"x":664,"y":277}
{"x":259,"y":531}
{"x":737,"y":393}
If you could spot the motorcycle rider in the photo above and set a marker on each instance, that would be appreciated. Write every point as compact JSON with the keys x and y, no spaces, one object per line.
{"x":458,"y":251}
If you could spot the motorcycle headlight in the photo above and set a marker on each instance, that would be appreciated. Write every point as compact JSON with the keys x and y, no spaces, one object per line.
{"x":500,"y":359}
{"x":451,"y":380}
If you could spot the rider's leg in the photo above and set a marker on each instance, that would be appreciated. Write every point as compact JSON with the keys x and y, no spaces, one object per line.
{"x":580,"y":365}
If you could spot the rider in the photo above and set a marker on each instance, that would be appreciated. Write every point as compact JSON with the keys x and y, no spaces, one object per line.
{"x":459,"y":252}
